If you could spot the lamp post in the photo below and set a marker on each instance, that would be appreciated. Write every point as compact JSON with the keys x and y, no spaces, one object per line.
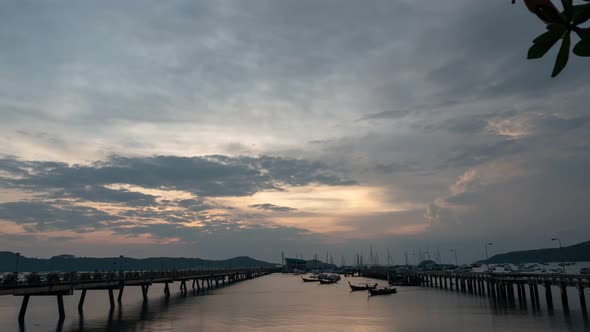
{"x":560,"y":250}
{"x":16,"y":267}
{"x":487,"y":257}
{"x":455,"y":252}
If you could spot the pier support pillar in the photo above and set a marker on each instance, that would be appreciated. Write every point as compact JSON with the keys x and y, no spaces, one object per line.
{"x":120,"y":296}
{"x":548,"y":296}
{"x":183,"y":287}
{"x":23,"y":309}
{"x":564,"y":301}
{"x":511,"y":293}
{"x":532,"y":295}
{"x":494,"y":288}
{"x":60,"y":307}
{"x":583,"y":300}
{"x":81,"y":302}
{"x":524,"y":300}
{"x":536,"y":291}
{"x":111,"y":298}
{"x":166,"y":290}
{"x":144,"y":291}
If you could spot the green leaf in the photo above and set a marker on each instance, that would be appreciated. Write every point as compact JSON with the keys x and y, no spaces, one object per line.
{"x":543,"y":43}
{"x":549,"y":14}
{"x":583,"y":33}
{"x":567,"y":8}
{"x":580,"y":14}
{"x":582,"y":48}
{"x":562,"y":56}
{"x":554,"y":29}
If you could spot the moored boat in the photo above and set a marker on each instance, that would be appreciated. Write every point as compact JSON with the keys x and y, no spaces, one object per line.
{"x":327,"y":281}
{"x":362,"y":287}
{"x":382,"y":291}
{"x":310,"y":279}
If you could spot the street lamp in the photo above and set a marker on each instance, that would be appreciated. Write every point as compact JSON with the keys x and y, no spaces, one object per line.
{"x":487,"y":257}
{"x":455,"y":252}
{"x":560,"y":249}
{"x":17,"y":256}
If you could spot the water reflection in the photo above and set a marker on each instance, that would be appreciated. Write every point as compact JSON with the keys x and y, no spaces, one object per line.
{"x":134,"y":317}
{"x":283,"y":302}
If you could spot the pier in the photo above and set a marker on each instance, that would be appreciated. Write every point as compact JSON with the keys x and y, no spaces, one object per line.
{"x":506,"y":288}
{"x":64,"y":284}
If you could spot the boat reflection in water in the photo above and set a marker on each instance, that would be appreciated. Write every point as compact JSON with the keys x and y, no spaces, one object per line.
{"x":382,"y":291}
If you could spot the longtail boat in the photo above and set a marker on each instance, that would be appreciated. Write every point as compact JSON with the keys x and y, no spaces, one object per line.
{"x":310,"y":279}
{"x":361,"y":287}
{"x":327,"y":281}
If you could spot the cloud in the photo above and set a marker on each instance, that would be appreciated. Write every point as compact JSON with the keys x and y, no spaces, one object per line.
{"x":106,"y":195}
{"x":387,"y":115}
{"x":272,"y":207}
{"x":195,"y":205}
{"x":204,"y":176}
{"x":45,"y":216}
{"x":144,"y":197}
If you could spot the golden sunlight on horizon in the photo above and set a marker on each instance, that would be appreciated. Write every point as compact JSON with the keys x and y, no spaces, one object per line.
{"x":320,"y":208}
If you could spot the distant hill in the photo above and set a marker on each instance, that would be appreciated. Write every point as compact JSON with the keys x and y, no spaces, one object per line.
{"x":69,"y":263}
{"x":577,"y":253}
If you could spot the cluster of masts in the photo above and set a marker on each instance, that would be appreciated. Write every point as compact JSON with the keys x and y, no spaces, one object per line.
{"x":373,"y":259}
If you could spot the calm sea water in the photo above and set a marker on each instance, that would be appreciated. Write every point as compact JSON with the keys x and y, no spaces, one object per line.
{"x":283,"y":303}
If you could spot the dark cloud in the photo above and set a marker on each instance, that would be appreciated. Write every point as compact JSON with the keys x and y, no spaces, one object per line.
{"x":203,"y":176}
{"x":272,"y":207}
{"x":195,"y":205}
{"x":49,"y":216}
{"x":106,"y":195}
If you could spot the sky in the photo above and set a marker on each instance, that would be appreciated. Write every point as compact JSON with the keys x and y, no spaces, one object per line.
{"x":222,"y":128}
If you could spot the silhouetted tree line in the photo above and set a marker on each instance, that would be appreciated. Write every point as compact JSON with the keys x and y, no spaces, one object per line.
{"x":69,"y":263}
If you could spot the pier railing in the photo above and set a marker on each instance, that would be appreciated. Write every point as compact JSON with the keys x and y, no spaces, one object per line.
{"x":63,"y":284}
{"x":504,"y":288}
{"x":11,"y":281}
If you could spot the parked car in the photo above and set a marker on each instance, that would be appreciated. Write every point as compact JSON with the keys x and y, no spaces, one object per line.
{"x":585,"y":270}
